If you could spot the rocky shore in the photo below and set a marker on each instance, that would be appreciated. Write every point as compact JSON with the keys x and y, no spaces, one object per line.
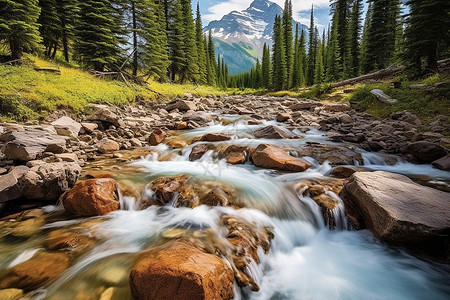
{"x":50,"y":161}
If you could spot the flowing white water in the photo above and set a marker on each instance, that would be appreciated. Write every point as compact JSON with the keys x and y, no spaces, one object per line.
{"x":306,"y":260}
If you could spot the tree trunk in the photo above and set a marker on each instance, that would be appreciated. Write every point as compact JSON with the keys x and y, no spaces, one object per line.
{"x":379,"y":74}
{"x":65,"y":39}
{"x":135,"y":42}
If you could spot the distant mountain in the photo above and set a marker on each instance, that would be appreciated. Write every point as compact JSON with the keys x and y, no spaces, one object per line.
{"x":240,"y":36}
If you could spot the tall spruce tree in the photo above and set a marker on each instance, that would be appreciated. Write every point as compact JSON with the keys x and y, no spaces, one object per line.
{"x":176,"y":38}
{"x":302,"y":59}
{"x":278,"y":56}
{"x":287,"y":36}
{"x":427,"y":36}
{"x":351,"y":68}
{"x":67,"y":13}
{"x":50,"y":29}
{"x":212,"y":61}
{"x":201,"y":50}
{"x":266,"y":68}
{"x":334,"y":66}
{"x":98,"y":34}
{"x":190,"y":69}
{"x":381,"y":35}
{"x":311,"y":51}
{"x":341,"y":11}
{"x":296,"y":67}
{"x":319,"y":75}
{"x":365,"y":36}
{"x":19,"y":28}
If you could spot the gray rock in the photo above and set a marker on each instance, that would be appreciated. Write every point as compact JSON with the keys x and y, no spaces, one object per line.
{"x":29,"y":144}
{"x":182,"y":105}
{"x":49,"y":181}
{"x":9,"y":188}
{"x":89,"y":127}
{"x":399,"y":211}
{"x":107,"y":145}
{"x":442,"y":163}
{"x":271,"y":132}
{"x":199,"y":117}
{"x":426,"y":152}
{"x":102,"y":113}
{"x":67,"y":126}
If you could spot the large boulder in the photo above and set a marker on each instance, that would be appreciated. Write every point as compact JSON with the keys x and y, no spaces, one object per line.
{"x":271,"y":132}
{"x":156,"y":137}
{"x":215,"y":137}
{"x":268,"y":156}
{"x":182,"y":105}
{"x":67,"y":126}
{"x":426,"y":152}
{"x":200,"y":117}
{"x":107,"y":145}
{"x":102,"y":113}
{"x":399,"y":211}
{"x":92,"y":197}
{"x":28,"y":145}
{"x":181,"y":271}
{"x":49,"y":181}
{"x":442,"y":163}
{"x":9,"y":188}
{"x":36,"y":271}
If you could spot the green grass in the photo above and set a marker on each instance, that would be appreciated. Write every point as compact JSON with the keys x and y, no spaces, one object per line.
{"x":26,"y":94}
{"x":426,"y":105}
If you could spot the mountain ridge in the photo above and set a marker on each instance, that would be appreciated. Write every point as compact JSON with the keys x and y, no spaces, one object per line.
{"x":240,"y":35}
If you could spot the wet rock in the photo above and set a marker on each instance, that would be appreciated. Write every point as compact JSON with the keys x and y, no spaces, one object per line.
{"x":442,"y":163}
{"x":235,"y":154}
{"x":176,"y":143}
{"x":426,"y":152}
{"x":303,"y":106}
{"x":168,"y":189}
{"x":216,"y":197}
{"x":9,"y":188}
{"x":28,"y":145}
{"x":182,"y":105}
{"x":343,"y":172}
{"x":335,"y":155}
{"x":107,"y":145}
{"x":267,"y":156}
{"x":11,"y":294}
{"x":92,"y":197}
{"x":115,"y":293}
{"x":49,"y":181}
{"x":156,"y":137}
{"x":62,"y":239}
{"x":67,"y":126}
{"x":215,"y":137}
{"x":181,"y":271}
{"x":282,"y":117}
{"x":271,"y":132}
{"x":200,"y":117}
{"x":36,"y":271}
{"x":198,"y":151}
{"x":102,"y":113}
{"x":28,"y":228}
{"x":401,"y":212}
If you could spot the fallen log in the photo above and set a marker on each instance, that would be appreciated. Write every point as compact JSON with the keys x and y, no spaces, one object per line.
{"x":376,"y":75}
{"x":56,"y":71}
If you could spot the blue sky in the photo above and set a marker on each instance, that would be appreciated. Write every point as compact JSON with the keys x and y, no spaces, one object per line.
{"x":216,"y":9}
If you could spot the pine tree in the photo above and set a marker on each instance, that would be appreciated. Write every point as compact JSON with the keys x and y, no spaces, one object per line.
{"x":302,"y":59}
{"x":334,"y":65}
{"x":311,"y":51}
{"x":18,"y":26}
{"x":365,"y":36}
{"x":351,"y":68}
{"x":155,"y":55}
{"x":296,"y":67}
{"x":278,"y":57}
{"x":200,"y":47}
{"x":212,"y":61}
{"x":67,"y":11}
{"x":380,"y":47}
{"x":98,"y":34}
{"x":287,"y":35}
{"x":319,"y":71}
{"x":341,"y":11}
{"x":50,"y":29}
{"x":427,"y":36}
{"x":266,"y":68}
{"x":190,"y":68}
{"x":176,"y":35}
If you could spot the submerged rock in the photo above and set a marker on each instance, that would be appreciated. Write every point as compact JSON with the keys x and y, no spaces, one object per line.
{"x":267,"y":156}
{"x":199,"y":150}
{"x":401,"y":212}
{"x":36,"y":271}
{"x":181,"y":271}
{"x":92,"y":197}
{"x":11,"y":294}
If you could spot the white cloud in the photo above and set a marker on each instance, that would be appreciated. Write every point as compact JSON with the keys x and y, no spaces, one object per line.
{"x":216,"y":12}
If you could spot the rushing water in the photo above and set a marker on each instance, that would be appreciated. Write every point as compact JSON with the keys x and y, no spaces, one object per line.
{"x":306,"y":260}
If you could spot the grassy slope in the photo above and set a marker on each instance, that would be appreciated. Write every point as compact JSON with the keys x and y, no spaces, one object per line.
{"x":26,"y":94}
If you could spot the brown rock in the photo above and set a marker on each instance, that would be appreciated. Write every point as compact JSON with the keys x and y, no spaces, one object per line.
{"x":67,"y":126}
{"x":216,"y":197}
{"x":267,"y":156}
{"x":426,"y":152}
{"x":181,"y":271}
{"x":89,"y":127}
{"x":337,"y":107}
{"x":11,"y":294}
{"x":176,"y":143}
{"x":198,"y":151}
{"x":215,"y":137}
{"x":92,"y":197}
{"x":442,"y":163}
{"x":335,"y":155}
{"x":9,"y":188}
{"x":235,"y":154}
{"x":401,"y":212}
{"x":271,"y":132}
{"x":157,"y":137}
{"x":60,"y":239}
{"x":166,"y":188}
{"x":283,"y":117}
{"x":182,"y":105}
{"x":106,"y":145}
{"x":102,"y":113}
{"x":343,"y":172}
{"x":304,"y":106}
{"x":199,"y":117}
{"x":36,"y":271}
